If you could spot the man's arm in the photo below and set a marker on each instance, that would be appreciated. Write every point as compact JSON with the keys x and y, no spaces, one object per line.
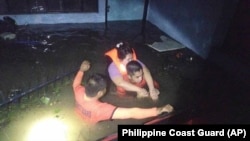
{"x":119,"y":81}
{"x":148,"y":78}
{"x":141,"y":92}
{"x":152,"y":90}
{"x":140,"y":113}
{"x":79,"y":76}
{"x":78,"y":79}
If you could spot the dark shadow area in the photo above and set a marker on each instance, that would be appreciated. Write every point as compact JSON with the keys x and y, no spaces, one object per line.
{"x":229,"y":64}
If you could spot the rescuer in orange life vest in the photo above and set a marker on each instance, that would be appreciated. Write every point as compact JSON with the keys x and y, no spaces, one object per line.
{"x":121,"y":55}
{"x":92,"y":110}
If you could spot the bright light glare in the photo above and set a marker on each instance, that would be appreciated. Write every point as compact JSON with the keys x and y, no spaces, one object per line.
{"x":48,"y":130}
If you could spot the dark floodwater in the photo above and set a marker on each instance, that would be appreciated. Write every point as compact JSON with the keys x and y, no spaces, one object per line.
{"x":200,"y":91}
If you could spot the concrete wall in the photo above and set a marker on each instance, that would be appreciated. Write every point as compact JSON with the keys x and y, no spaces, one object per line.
{"x":125,"y":10}
{"x":197,"y":24}
{"x":119,"y":10}
{"x":54,"y":18}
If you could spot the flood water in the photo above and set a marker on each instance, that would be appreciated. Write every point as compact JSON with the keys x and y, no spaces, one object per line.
{"x":41,"y":61}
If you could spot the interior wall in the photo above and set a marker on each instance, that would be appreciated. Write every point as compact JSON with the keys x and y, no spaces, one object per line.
{"x":197,"y":24}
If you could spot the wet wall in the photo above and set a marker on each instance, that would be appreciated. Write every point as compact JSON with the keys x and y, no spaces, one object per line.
{"x":57,"y":17}
{"x":117,"y":10}
{"x":125,"y":10}
{"x":197,"y":24}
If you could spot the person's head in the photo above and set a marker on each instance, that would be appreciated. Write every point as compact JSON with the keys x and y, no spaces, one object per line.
{"x":134,"y":71}
{"x":96,"y":86}
{"x":124,"y":52}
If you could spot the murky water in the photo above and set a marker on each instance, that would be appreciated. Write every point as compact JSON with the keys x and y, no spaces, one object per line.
{"x":53,"y":53}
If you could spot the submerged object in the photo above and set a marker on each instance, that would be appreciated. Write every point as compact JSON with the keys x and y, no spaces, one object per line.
{"x":8,"y":35}
{"x":167,"y":44}
{"x":45,"y":100}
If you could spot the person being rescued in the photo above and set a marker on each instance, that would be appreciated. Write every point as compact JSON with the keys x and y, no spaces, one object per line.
{"x":135,"y":76}
{"x":121,"y":55}
{"x":92,"y":110}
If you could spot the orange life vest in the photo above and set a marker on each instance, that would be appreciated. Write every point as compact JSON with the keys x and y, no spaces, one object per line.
{"x":114,"y":56}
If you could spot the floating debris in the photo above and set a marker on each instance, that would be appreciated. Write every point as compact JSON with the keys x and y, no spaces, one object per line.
{"x":45,"y":100}
{"x":13,"y":93}
{"x":8,"y":35}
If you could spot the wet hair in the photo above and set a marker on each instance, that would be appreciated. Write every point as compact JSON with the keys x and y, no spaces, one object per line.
{"x":132,"y":67}
{"x":123,"y":49}
{"x":95,"y":83}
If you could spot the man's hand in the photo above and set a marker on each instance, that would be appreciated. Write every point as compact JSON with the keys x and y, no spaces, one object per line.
{"x":142,"y":93}
{"x":85,"y":66}
{"x":167,"y":108}
{"x":154,"y":94}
